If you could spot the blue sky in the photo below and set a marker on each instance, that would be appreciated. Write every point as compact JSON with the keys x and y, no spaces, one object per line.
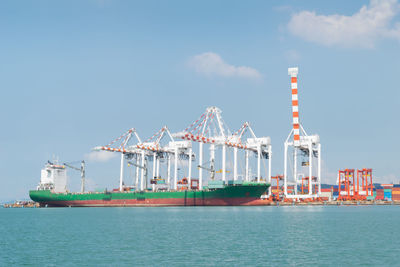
{"x":76,"y":74}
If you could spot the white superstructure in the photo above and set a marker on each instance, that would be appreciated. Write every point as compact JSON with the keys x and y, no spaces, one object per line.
{"x":53,"y":177}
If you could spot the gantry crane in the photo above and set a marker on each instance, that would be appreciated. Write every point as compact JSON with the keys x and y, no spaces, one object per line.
{"x":124,"y":149}
{"x":259,"y":145}
{"x":211,"y":129}
{"x":308,"y":146}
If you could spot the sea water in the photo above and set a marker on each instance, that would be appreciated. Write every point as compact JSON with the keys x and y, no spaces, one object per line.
{"x":201,"y":236}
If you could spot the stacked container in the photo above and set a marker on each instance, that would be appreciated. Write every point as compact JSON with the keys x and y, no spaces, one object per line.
{"x":335,"y":192}
{"x":396,"y":192}
{"x":379,"y":193}
{"x":326,"y":194}
{"x":387,"y":189}
{"x":290,"y":189}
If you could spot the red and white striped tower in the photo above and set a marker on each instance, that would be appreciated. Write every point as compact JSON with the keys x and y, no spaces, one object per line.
{"x":308,"y":147}
{"x":295,"y":106}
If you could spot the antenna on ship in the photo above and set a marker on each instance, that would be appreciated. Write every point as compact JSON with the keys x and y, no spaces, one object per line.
{"x":304,"y":145}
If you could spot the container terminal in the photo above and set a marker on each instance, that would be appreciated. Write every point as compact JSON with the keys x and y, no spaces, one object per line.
{"x":218,"y":180}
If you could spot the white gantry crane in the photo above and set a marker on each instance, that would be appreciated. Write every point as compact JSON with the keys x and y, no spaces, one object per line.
{"x":208,"y":129}
{"x":307,"y":147}
{"x":152,"y":150}
{"x":261,"y":146}
{"x":121,"y":144}
{"x":211,"y":129}
{"x":178,"y":149}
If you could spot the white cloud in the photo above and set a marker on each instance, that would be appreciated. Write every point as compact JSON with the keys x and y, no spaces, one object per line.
{"x":292,"y":55}
{"x":100,"y":156}
{"x":211,"y":64}
{"x":361,"y":29}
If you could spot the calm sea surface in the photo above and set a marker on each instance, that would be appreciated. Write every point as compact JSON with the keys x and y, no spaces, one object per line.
{"x":201,"y":236}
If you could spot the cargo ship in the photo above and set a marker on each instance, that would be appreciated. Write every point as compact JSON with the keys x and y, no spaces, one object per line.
{"x":52,"y":192}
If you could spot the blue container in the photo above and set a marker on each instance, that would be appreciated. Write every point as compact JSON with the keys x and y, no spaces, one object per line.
{"x":396,"y":185}
{"x":387,"y":195}
{"x":335,"y":194}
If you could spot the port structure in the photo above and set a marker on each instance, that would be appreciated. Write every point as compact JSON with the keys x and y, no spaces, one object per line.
{"x":150,"y":150}
{"x":365,"y":175}
{"x":350,"y":187}
{"x":121,"y":145}
{"x":260,"y":146}
{"x":211,"y":129}
{"x":302,"y":145}
{"x":347,"y":186}
{"x":276,"y":194}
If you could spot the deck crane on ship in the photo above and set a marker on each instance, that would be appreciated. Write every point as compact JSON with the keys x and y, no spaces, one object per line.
{"x":81,"y":170}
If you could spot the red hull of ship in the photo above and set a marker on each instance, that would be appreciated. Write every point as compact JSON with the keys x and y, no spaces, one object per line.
{"x":162,"y":202}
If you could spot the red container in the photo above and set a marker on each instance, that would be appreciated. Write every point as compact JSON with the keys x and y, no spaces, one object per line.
{"x":325,"y":190}
{"x":379,"y":197}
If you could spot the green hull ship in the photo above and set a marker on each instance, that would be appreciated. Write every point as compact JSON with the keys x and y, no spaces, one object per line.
{"x":244,"y":194}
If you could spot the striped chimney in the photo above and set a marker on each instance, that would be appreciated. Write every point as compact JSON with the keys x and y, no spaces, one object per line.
{"x":295,"y":106}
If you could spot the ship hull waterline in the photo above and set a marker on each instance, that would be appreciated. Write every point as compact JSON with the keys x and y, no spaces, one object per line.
{"x":228,"y":196}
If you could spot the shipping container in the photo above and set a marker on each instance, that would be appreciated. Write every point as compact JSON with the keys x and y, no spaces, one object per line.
{"x":216,"y":182}
{"x":230,"y":182}
{"x":325,"y":186}
{"x":387,"y":195}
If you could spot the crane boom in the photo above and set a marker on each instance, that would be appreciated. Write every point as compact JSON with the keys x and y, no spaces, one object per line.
{"x":211,"y":170}
{"x":82,"y":170}
{"x":136,"y":165}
